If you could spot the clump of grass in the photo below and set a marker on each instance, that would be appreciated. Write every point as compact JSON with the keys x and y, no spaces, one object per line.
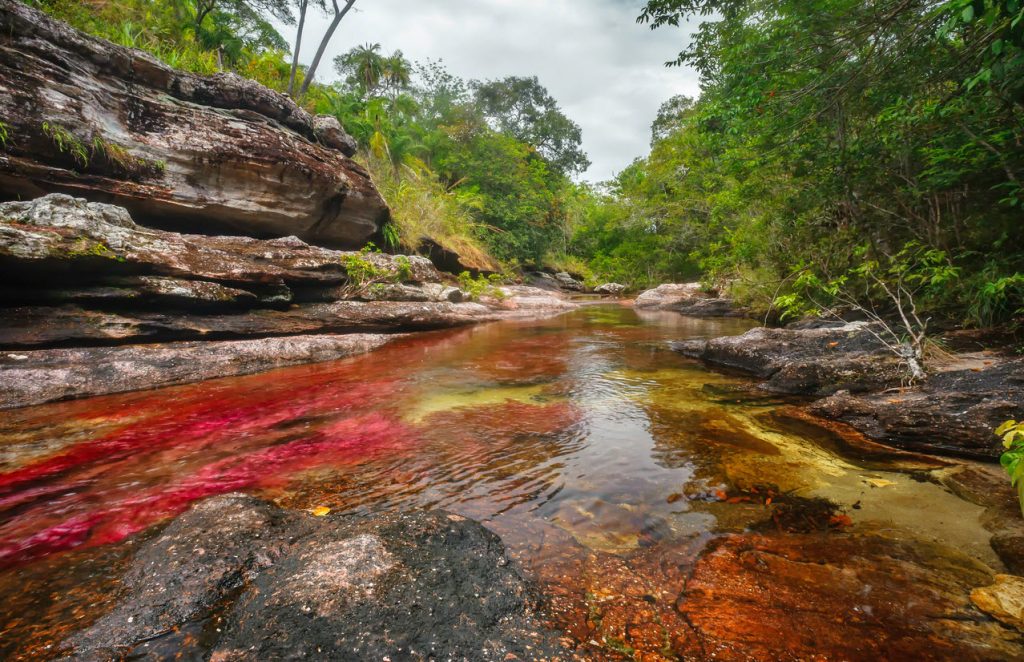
{"x":423,"y":208}
{"x":5,"y":133}
{"x":67,"y":143}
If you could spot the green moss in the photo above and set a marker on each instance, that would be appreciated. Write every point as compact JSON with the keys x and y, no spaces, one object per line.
{"x":86,"y":248}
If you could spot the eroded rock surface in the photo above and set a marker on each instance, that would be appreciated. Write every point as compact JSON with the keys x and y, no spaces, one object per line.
{"x":689,"y":299}
{"x":817,"y":361}
{"x":209,"y":153}
{"x":96,"y":303}
{"x":954,"y":410}
{"x":276,"y":584}
{"x":45,"y":375}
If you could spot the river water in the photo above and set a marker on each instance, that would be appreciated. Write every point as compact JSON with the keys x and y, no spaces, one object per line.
{"x":607,"y":463}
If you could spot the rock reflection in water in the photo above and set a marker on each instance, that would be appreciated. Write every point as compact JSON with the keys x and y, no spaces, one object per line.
{"x":667,"y":512}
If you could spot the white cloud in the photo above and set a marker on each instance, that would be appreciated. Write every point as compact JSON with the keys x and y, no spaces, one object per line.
{"x":605,"y":70}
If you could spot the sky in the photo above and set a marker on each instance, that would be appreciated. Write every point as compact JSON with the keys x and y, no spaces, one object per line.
{"x":605,"y":70}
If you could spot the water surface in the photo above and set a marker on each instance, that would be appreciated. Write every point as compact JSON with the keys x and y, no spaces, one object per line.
{"x":593,"y":450}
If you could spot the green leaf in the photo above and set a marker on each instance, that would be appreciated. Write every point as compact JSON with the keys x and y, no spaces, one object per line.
{"x":967,"y":14}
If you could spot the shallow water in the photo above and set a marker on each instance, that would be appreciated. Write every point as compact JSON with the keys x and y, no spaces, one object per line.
{"x":581,"y":440}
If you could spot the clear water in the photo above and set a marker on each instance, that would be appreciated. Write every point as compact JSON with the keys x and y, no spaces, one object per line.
{"x":592,"y":449}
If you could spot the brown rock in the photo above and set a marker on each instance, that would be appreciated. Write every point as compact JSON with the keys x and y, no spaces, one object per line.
{"x":1003,"y":600}
{"x":190,"y":152}
{"x":858,"y":597}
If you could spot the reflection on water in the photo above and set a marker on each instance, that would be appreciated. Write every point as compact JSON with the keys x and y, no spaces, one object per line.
{"x":595,"y":452}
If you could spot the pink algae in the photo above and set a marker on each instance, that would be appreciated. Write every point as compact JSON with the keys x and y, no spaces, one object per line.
{"x":155,"y":464}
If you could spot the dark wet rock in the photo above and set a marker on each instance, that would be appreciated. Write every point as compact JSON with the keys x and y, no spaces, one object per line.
{"x":710,"y":307}
{"x":37,"y":376}
{"x":283,"y":584}
{"x":859,"y":597}
{"x":452,"y":261}
{"x":954,"y":411}
{"x":612,"y":289}
{"x":541,"y":280}
{"x":212,"y":153}
{"x":567,"y":282}
{"x":817,"y":361}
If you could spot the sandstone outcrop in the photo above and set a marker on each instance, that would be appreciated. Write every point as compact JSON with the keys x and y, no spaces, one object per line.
{"x":96,"y":303}
{"x":193,"y":153}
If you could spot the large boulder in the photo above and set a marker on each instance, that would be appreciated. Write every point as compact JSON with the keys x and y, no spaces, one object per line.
{"x":284,"y":584}
{"x":669,"y":294}
{"x":195,"y":153}
{"x":611,"y":289}
{"x":690,"y":299}
{"x":955,"y":410}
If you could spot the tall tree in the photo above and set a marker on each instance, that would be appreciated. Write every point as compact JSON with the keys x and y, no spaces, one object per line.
{"x":303,"y":5}
{"x":339,"y":13}
{"x":523,"y":108}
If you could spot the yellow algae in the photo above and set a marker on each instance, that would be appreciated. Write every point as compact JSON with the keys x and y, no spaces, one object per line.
{"x":445,"y":400}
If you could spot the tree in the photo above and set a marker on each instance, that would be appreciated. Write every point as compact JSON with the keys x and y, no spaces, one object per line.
{"x":523,"y":108}
{"x":339,"y":13}
{"x":363,"y":67}
{"x":670,"y":117}
{"x":303,"y":5}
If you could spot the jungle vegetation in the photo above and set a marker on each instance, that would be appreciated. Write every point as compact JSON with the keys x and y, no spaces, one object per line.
{"x":839,"y":149}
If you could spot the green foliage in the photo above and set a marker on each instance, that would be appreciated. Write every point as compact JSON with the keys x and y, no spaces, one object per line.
{"x":5,"y":133}
{"x":828,"y":134}
{"x":481,"y":286}
{"x":1012,"y":433}
{"x":67,"y":143}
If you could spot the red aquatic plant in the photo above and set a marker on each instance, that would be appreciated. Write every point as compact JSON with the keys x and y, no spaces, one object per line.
{"x":77,"y":523}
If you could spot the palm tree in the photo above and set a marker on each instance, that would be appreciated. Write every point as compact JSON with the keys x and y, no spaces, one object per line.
{"x":397,"y":73}
{"x":364,"y":66}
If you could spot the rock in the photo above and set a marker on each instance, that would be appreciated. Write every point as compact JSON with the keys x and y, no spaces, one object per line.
{"x":525,"y":299}
{"x":403,"y":292}
{"x":59,"y":239}
{"x":428,"y":585}
{"x":859,"y":597}
{"x":612,"y":289}
{"x":669,"y":294}
{"x":710,"y":307}
{"x":34,"y":377}
{"x":329,"y":132}
{"x":541,"y":280}
{"x":40,"y":326}
{"x":212,"y":153}
{"x":567,"y":282}
{"x":458,"y":259}
{"x":955,"y":411}
{"x":818,"y":361}
{"x":1003,"y":600}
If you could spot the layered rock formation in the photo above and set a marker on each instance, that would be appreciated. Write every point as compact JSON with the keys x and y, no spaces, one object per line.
{"x":428,"y":585}
{"x":99,"y":304}
{"x":955,"y":410}
{"x":194,"y":153}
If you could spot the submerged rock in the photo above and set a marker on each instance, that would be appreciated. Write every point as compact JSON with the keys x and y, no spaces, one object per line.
{"x":859,"y":597}
{"x":428,"y":585}
{"x":211,"y":153}
{"x":1003,"y":600}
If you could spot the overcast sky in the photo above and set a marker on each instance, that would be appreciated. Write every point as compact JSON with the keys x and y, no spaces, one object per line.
{"x":605,"y":71}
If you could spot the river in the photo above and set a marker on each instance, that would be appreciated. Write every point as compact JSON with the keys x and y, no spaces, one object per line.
{"x":607,"y":463}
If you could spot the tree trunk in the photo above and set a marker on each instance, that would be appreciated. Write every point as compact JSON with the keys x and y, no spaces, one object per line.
{"x":298,"y":45}
{"x":338,"y":15}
